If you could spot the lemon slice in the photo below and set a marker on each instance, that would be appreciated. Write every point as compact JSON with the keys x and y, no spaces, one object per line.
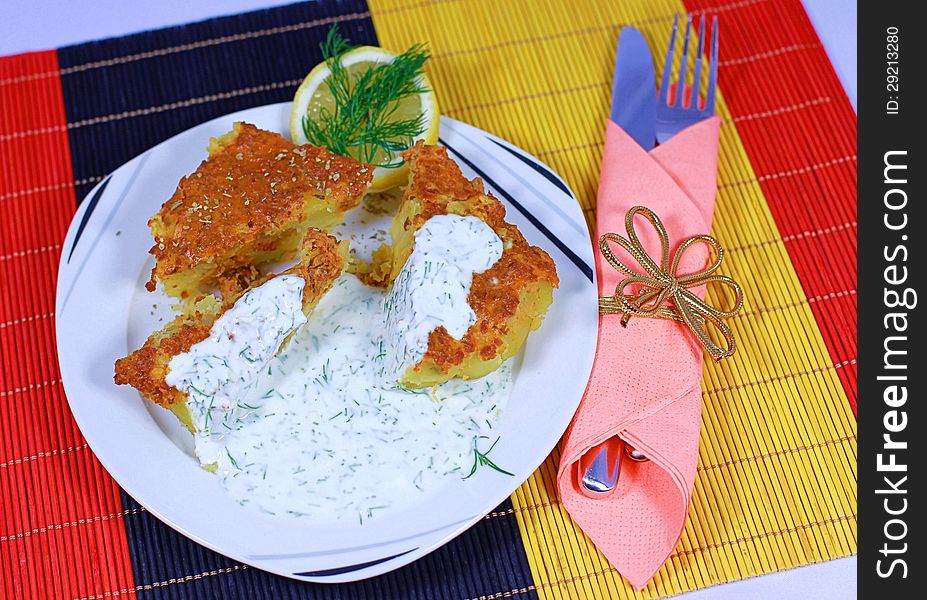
{"x":314,"y":95}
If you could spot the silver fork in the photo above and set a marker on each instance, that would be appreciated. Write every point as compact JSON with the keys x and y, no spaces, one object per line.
{"x":673,"y":118}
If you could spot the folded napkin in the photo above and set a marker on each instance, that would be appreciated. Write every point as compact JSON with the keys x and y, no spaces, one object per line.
{"x":645,"y":382}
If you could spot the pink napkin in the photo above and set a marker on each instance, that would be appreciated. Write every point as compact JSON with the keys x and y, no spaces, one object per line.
{"x":645,"y":382}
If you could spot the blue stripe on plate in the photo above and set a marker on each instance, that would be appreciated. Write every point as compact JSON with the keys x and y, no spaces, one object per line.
{"x":90,"y":208}
{"x":350,"y":568}
{"x":104,"y":228}
{"x":334,"y":552}
{"x":574,"y":258}
{"x":553,"y":203}
{"x":537,"y":166}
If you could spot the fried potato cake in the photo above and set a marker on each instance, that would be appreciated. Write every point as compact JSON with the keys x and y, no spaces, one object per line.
{"x":510,"y":299}
{"x":322,"y":260}
{"x":249,"y":203}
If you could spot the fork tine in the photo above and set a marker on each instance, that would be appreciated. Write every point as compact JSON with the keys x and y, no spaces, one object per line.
{"x":668,"y":66}
{"x":712,"y":69}
{"x":697,"y":78}
{"x":681,"y":83}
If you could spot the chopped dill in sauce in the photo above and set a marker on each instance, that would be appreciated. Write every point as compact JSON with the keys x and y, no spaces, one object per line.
{"x":336,"y":441}
{"x":330,"y":437}
{"x":220,"y":371}
{"x":432,"y":288}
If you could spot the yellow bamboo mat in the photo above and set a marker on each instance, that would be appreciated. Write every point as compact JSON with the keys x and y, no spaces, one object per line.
{"x":776,"y":481}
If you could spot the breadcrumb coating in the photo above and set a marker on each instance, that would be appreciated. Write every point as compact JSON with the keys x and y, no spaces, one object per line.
{"x":322,"y":260}
{"x":509,"y":299}
{"x":248,"y":204}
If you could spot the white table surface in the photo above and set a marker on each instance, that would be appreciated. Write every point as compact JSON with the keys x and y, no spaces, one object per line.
{"x":24,"y":26}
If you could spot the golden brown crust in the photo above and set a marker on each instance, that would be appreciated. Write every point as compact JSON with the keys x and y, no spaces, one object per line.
{"x":254,"y":188}
{"x":495,"y":297}
{"x":437,"y":186}
{"x":146,"y":368}
{"x":434,"y":177}
{"x":322,"y":259}
{"x":321,"y":262}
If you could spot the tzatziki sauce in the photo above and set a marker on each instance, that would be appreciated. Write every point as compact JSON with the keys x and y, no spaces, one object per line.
{"x":320,"y":432}
{"x":218,"y":373}
{"x":432,"y":288}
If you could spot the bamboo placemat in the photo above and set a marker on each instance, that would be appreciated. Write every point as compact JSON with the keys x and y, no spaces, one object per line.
{"x":776,"y":480}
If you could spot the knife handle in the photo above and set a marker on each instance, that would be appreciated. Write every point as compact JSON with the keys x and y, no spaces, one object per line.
{"x":597,"y":470}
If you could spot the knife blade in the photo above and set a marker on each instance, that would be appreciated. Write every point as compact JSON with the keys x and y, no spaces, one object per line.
{"x":634,"y":109}
{"x":634,"y":88}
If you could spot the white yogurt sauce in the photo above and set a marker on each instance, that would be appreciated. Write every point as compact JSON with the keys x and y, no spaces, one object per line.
{"x":431,"y":289}
{"x":321,"y":434}
{"x":218,"y":372}
{"x":332,"y":440}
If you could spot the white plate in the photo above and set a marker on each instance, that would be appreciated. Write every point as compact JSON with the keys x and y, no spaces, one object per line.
{"x":102,"y":312}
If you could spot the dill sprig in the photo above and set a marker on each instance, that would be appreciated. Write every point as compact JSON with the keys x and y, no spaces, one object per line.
{"x":360,"y":124}
{"x":482,"y":459}
{"x":232,"y":459}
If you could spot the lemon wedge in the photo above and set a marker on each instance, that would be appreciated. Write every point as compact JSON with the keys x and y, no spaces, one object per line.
{"x":313,"y":97}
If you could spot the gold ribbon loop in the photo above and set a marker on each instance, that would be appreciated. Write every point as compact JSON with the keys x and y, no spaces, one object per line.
{"x":661,"y":282}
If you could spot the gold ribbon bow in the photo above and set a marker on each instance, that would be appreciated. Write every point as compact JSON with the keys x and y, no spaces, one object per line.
{"x":661,"y":282}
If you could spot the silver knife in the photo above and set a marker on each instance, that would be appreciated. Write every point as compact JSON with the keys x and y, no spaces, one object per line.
{"x":634,"y":108}
{"x":634,"y":88}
